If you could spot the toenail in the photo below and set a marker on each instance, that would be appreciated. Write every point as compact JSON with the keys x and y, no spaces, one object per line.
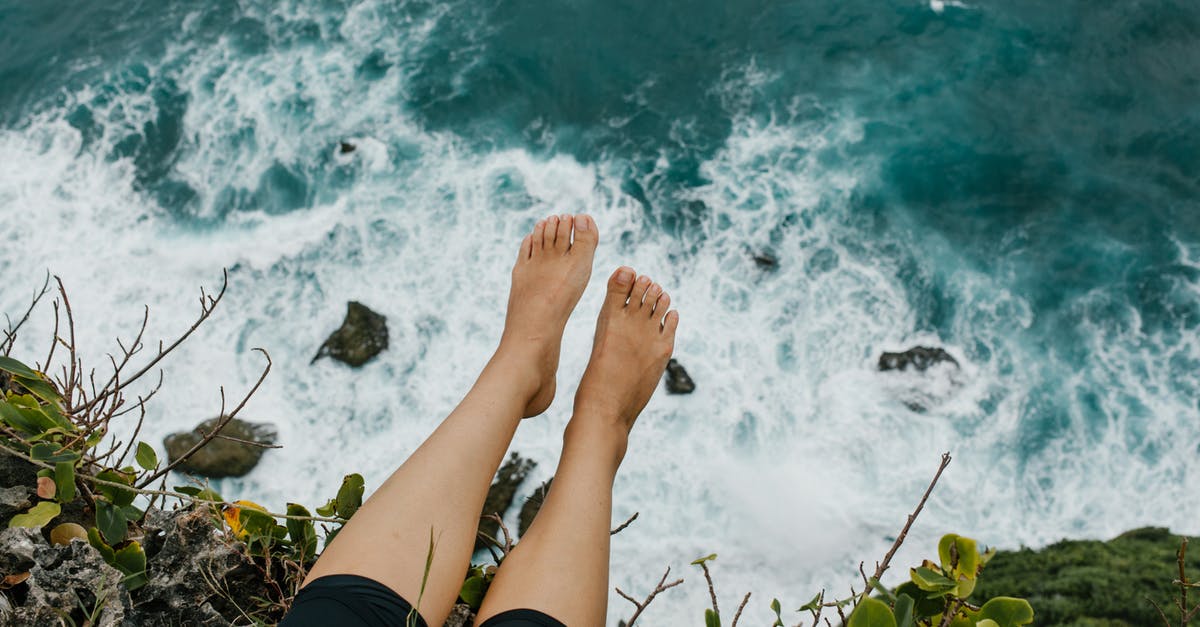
{"x":624,"y":276}
{"x":581,"y":223}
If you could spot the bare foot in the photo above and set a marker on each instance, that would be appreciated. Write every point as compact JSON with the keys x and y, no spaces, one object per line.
{"x":634,"y":339}
{"x":552,"y":270}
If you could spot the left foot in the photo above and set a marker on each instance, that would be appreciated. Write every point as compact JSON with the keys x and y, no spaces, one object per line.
{"x":552,"y":270}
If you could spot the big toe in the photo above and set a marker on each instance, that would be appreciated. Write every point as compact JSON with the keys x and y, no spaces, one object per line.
{"x":586,"y":235}
{"x":620,"y":286}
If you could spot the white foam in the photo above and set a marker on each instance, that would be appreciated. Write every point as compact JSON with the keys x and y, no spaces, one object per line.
{"x":794,"y":460}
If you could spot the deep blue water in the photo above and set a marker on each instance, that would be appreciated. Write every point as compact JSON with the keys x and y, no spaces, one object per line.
{"x":1016,"y":181}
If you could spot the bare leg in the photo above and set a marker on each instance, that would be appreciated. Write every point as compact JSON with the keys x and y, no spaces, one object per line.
{"x":560,"y":566}
{"x":440,"y":489}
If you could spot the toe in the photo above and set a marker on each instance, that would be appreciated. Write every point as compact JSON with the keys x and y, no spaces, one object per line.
{"x":640,"y":287}
{"x":670,"y":323}
{"x":536,"y":238}
{"x":562,"y":238}
{"x":652,"y":295}
{"x":526,"y":248}
{"x":620,"y":284}
{"x":586,"y":236}
{"x":663,"y":304}
{"x":550,"y":233}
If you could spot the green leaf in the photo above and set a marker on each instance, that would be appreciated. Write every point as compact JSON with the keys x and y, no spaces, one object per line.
{"x":41,"y":389}
{"x":775,"y":607}
{"x":255,"y":522}
{"x":813,"y":605}
{"x":302,"y":532}
{"x":711,"y":618}
{"x":117,"y":496}
{"x":1007,"y":611}
{"x":52,"y":453}
{"x":882,"y":590}
{"x":111,"y":521}
{"x":967,"y":551}
{"x":131,"y":560}
{"x":707,"y":558}
{"x":37,"y":516}
{"x":472,"y":591}
{"x":207,"y":494}
{"x":146,"y":457}
{"x":872,"y":613}
{"x":132,"y":512}
{"x":903,"y":610}
{"x":30,"y":420}
{"x":64,"y":481}
{"x":8,"y":364}
{"x":103,"y":547}
{"x":987,"y":622}
{"x":328,"y":509}
{"x":931,"y":581}
{"x":349,"y":496}
{"x":926,"y":604}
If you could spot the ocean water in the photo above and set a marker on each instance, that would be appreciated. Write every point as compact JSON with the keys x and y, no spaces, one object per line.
{"x":1018,"y":182}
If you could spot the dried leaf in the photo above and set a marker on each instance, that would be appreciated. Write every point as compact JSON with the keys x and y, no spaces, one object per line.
{"x":46,"y":488}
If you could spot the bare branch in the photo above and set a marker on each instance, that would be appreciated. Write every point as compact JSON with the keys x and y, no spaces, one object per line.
{"x":623,"y":525}
{"x":224,"y":420}
{"x":661,"y":587}
{"x":887,"y":559}
{"x":712,"y":592}
{"x":1161,"y":613}
{"x":207,"y":305}
{"x":1181,"y":557}
{"x":10,"y":335}
{"x":737,"y":615}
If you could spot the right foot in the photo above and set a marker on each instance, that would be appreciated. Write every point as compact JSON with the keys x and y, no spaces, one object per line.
{"x":552,"y":270}
{"x":635,"y":336}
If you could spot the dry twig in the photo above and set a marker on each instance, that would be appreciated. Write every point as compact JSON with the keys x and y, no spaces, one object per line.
{"x":662,"y":586}
{"x":623,"y":525}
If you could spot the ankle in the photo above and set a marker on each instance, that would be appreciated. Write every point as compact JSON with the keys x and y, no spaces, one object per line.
{"x":521,"y":365}
{"x":607,"y":436}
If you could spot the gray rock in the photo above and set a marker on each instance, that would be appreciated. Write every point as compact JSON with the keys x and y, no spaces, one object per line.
{"x":17,"y":546}
{"x":15,"y":471}
{"x":66,"y":580}
{"x":460,"y":616}
{"x":532,"y":506}
{"x":221,"y":457}
{"x":678,"y":380}
{"x":920,"y":358}
{"x":14,"y":500}
{"x":186,"y":554}
{"x":345,"y":147}
{"x":362,"y":336}
{"x":500,"y":496}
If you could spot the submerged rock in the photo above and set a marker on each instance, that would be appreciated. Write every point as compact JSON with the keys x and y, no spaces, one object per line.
{"x":221,"y":457}
{"x":678,"y":380}
{"x":346,"y":147}
{"x":532,"y":506}
{"x":919,"y":357}
{"x":500,"y":496}
{"x":362,"y":336}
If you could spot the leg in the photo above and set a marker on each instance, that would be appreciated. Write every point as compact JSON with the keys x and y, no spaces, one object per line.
{"x":560,"y":566}
{"x":440,"y":489}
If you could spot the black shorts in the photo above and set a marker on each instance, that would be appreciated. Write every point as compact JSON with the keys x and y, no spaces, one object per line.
{"x":351,"y":600}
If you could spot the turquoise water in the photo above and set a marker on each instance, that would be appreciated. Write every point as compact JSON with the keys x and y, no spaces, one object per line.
{"x":1016,"y":182}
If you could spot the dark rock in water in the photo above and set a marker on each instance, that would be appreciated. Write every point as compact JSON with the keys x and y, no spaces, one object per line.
{"x":363,"y":335}
{"x":919,"y":357}
{"x":500,"y":495}
{"x":765,"y":260}
{"x":678,"y":381}
{"x":346,"y":148}
{"x":532,"y":506}
{"x":221,"y":457}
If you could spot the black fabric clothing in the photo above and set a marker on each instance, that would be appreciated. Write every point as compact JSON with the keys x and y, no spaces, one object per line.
{"x":354,"y":601}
